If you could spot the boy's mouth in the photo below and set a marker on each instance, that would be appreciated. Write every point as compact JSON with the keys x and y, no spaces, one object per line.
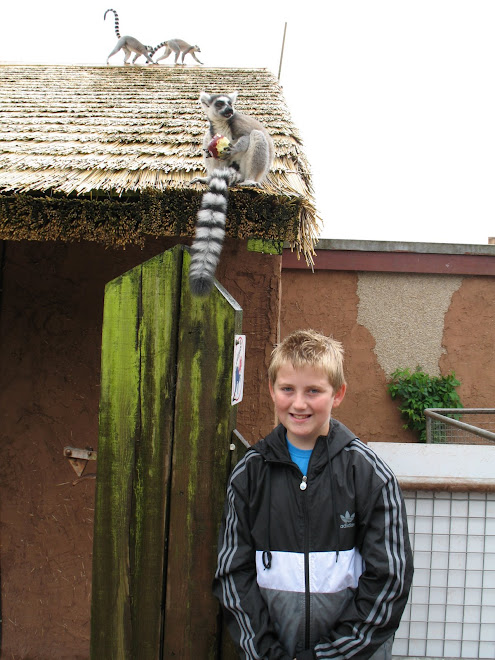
{"x":294,"y":416}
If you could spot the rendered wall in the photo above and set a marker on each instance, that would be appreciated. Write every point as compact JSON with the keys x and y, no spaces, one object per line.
{"x":390,"y":320}
{"x":50,"y":337}
{"x":469,"y":341}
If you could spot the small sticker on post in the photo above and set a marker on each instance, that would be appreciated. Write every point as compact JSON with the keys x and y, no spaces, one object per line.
{"x":238,"y":369}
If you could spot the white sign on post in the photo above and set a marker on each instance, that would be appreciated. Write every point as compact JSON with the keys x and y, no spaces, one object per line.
{"x":238,"y":369}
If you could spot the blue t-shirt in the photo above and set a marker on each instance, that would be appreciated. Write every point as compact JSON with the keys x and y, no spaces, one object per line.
{"x":299,"y":456}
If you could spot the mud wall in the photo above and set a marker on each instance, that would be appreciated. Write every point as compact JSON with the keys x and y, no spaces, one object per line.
{"x":50,"y":335}
{"x":441,"y":323}
{"x":469,"y":341}
{"x":50,"y":332}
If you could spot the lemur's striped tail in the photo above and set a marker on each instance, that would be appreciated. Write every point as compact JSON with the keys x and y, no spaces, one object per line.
{"x":153,"y":50}
{"x":210,"y":232}
{"x":117,"y":29}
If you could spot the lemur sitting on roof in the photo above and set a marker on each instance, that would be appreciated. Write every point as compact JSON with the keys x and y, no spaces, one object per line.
{"x":244,"y":162}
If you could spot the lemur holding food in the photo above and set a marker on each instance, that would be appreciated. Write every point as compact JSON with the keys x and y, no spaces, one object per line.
{"x":238,"y":150}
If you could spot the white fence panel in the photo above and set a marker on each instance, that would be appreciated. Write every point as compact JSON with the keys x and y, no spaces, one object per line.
{"x":451,"y":608}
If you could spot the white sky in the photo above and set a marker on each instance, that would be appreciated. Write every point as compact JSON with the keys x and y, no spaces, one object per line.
{"x":394,"y":99}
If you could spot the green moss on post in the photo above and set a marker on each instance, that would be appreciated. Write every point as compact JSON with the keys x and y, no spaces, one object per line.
{"x":118,"y":431}
{"x":203,"y":425}
{"x":265,"y":247}
{"x":159,"y":317}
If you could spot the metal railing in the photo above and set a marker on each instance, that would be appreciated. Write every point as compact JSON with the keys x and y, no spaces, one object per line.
{"x":450,"y":426}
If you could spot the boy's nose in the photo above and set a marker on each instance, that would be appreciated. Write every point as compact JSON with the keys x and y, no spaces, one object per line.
{"x":299,"y":402}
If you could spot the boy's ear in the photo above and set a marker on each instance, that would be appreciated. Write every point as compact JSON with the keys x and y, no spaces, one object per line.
{"x":339,"y":395}
{"x":270,"y":387}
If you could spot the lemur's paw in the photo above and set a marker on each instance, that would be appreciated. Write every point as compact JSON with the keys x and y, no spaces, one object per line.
{"x":250,"y":183}
{"x":198,"y":179}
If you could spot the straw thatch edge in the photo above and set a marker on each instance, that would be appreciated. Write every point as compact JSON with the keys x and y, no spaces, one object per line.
{"x":124,"y":220}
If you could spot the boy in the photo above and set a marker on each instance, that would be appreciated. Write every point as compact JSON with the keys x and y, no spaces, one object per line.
{"x":314,"y":557}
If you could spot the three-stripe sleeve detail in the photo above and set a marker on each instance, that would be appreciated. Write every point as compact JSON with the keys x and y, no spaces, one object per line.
{"x":226,"y":555}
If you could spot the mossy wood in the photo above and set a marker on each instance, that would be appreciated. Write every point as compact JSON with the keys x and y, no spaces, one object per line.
{"x":201,"y":465}
{"x":163,"y":460}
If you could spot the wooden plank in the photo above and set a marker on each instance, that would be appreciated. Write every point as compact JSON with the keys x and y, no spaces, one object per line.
{"x":146,"y":426}
{"x":118,"y":428}
{"x":139,"y":348}
{"x":201,"y":461}
{"x":160,"y":298}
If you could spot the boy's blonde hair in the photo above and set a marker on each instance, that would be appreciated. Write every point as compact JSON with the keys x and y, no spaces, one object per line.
{"x":308,"y":347}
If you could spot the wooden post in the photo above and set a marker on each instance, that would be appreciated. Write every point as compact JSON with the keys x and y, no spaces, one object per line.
{"x":203,"y":425}
{"x":163,"y":461}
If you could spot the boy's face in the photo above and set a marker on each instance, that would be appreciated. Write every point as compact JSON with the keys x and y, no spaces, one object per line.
{"x":303,"y":400}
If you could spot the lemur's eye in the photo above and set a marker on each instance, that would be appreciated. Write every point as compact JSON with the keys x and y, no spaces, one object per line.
{"x":219,"y":104}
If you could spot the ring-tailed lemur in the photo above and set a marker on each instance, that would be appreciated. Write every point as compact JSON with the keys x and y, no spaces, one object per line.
{"x":178,"y":46}
{"x":128,"y":44}
{"x":245,"y":162}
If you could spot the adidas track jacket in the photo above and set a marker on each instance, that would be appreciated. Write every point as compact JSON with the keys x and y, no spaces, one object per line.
{"x":317,"y":568}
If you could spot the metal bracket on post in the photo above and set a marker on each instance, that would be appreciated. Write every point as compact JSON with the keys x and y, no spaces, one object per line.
{"x":79,"y":458}
{"x":239,"y":437}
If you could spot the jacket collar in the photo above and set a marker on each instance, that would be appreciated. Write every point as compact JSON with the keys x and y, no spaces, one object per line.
{"x":274,"y":447}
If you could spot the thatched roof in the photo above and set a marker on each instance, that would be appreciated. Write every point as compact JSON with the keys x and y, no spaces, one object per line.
{"x":107,"y":153}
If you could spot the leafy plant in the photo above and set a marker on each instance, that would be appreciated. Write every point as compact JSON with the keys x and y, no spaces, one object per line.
{"x":417,"y":390}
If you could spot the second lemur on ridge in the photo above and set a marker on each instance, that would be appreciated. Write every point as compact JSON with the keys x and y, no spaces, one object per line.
{"x":176,"y":46}
{"x":244,"y":162}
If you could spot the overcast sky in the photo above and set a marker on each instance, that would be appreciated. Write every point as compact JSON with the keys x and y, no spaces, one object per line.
{"x":394,"y":99}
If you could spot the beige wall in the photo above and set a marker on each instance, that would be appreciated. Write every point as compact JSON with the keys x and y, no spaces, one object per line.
{"x":405,"y":313}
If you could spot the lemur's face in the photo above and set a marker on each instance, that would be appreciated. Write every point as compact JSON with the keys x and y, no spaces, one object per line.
{"x":222,"y":106}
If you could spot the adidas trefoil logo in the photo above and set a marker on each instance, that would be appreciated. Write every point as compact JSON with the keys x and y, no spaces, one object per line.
{"x":348,"y":520}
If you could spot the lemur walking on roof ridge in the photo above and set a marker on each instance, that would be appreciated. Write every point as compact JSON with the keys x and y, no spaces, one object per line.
{"x":244,"y":162}
{"x":128,"y":44}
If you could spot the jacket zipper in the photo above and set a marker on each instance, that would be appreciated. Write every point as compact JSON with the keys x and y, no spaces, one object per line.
{"x":303,"y":486}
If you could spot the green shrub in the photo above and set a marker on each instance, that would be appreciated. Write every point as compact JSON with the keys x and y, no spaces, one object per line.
{"x":417,"y":390}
